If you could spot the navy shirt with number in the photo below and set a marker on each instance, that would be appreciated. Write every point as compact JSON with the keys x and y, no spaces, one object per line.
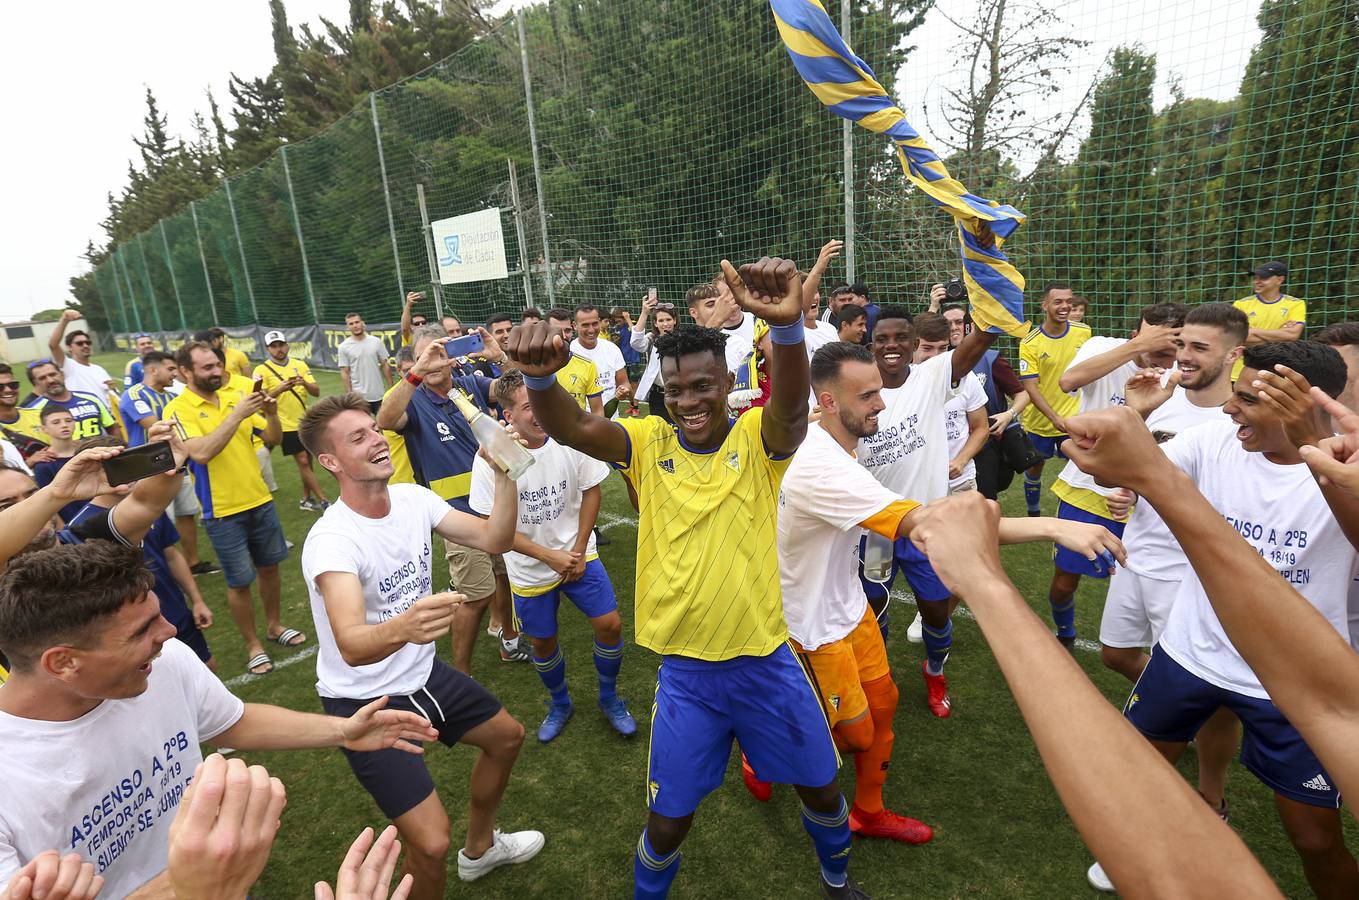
{"x":92,"y":417}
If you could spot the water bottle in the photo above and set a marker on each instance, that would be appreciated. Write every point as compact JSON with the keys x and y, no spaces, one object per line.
{"x":877,"y":558}
{"x":504,"y":450}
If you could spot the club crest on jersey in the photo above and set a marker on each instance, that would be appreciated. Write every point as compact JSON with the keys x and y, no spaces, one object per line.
{"x":1132,"y":701}
{"x":653,"y":788}
{"x":835,"y":701}
{"x":733,"y":461}
{"x":666,"y":465}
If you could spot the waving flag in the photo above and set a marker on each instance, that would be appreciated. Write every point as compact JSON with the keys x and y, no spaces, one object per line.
{"x":847,"y":87}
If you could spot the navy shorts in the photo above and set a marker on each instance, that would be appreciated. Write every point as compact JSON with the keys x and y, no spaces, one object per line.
{"x":765,"y":702}
{"x":1170,"y":703}
{"x":909,"y":561}
{"x":180,"y":616}
{"x":247,"y":541}
{"x":1075,"y":563}
{"x":536,"y":614}
{"x":400,"y":781}
{"x":1048,"y":446}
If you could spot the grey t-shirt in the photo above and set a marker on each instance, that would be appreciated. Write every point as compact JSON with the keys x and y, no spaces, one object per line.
{"x":364,"y":360}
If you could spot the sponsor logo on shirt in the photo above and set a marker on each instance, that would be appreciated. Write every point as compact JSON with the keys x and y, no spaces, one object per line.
{"x":667,"y":466}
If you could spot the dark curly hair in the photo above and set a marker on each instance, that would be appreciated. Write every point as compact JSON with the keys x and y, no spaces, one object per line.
{"x":687,"y":339}
{"x":1321,"y":365}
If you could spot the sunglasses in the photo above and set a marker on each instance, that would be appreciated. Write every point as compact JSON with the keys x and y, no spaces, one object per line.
{"x":80,"y":343}
{"x":9,"y":385}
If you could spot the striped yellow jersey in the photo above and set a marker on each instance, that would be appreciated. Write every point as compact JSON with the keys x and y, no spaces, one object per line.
{"x":1269,"y":316}
{"x":1045,"y":357}
{"x":580,"y":378}
{"x":707,"y":559}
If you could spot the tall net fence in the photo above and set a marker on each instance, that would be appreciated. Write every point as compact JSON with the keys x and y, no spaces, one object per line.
{"x":1160,"y":150}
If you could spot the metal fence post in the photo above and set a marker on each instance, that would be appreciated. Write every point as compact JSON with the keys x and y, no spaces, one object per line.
{"x":174,"y":282}
{"x":132,"y":295}
{"x":429,"y":251}
{"x":150,"y":288}
{"x":245,"y":268}
{"x":202,"y":258}
{"x":297,"y":226}
{"x":847,"y":139}
{"x":537,"y":166}
{"x":387,"y":196}
{"x":519,"y":234}
{"x":118,"y":289}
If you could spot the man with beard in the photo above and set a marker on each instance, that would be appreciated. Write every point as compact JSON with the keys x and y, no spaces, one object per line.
{"x":217,"y":424}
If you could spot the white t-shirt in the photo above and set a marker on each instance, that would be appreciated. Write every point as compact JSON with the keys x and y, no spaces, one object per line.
{"x":1153,"y":551}
{"x":549,"y":506}
{"x":391,"y":557}
{"x":1102,"y":393}
{"x":87,"y":378}
{"x":909,"y":454}
{"x":108,"y":784}
{"x":13,"y":456}
{"x":608,"y":359}
{"x":364,"y":358}
{"x":824,"y":496}
{"x":970,"y":396}
{"x":818,"y":337}
{"x":1280,"y":512}
{"x":740,"y":341}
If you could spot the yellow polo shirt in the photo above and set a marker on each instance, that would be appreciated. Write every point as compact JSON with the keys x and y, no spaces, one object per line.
{"x":230,"y":482}
{"x":1286,"y":310}
{"x":237,"y":363}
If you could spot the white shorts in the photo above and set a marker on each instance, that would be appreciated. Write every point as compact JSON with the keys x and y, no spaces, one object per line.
{"x":186,"y":502}
{"x":1135,"y":610}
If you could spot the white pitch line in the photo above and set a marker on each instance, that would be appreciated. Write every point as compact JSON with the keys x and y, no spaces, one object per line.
{"x":609,"y":520}
{"x":247,"y":677}
{"x":908,"y":597}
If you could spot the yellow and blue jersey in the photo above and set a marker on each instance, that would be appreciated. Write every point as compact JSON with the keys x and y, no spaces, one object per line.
{"x":230,"y":482}
{"x":139,"y":402}
{"x":27,"y":422}
{"x":92,"y":417}
{"x":580,"y":378}
{"x":401,"y":460}
{"x":1045,"y":357}
{"x":707,"y":562}
{"x":292,"y":403}
{"x":1270,"y":316}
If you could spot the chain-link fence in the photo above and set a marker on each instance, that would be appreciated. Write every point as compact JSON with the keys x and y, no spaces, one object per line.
{"x":661,"y":137}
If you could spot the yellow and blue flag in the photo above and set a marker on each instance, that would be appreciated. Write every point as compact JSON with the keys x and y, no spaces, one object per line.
{"x":847,"y":87}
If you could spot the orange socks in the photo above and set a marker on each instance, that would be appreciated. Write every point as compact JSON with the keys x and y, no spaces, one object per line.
{"x":871,"y":764}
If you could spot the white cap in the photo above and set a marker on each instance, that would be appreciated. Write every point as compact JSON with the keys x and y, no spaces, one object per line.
{"x":273,"y":337}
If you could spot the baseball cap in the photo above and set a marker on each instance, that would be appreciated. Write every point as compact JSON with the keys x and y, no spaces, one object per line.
{"x":1270,"y":269}
{"x":274,"y":337}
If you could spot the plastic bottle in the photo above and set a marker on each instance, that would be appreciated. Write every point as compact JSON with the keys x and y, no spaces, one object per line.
{"x":878,"y":552}
{"x":507,"y":453}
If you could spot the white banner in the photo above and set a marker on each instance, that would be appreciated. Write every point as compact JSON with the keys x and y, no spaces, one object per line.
{"x":470,"y":247}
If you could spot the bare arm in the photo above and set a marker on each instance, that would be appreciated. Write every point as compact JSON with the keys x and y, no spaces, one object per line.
{"x":264,"y":727}
{"x":1150,"y":339}
{"x":133,"y":517}
{"x":1267,"y":335}
{"x":386,"y":368}
{"x":590,"y":500}
{"x":312,"y":387}
{"x":812,"y":283}
{"x":540,"y":351}
{"x":204,"y":448}
{"x":411,"y":297}
{"x":1165,"y":842}
{"x":54,"y":339}
{"x":1037,"y":399}
{"x":976,"y":439}
{"x":157,"y":888}
{"x":495,"y":534}
{"x":345,"y":383}
{"x":970,"y":352}
{"x":596,"y":405}
{"x":273,"y":428}
{"x":362,"y":644}
{"x":80,"y":479}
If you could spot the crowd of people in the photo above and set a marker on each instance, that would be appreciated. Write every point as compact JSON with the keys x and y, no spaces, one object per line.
{"x":786,"y":463}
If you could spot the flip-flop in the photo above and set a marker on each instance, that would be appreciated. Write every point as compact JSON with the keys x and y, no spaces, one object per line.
{"x":285,"y":638}
{"x":258,"y":660}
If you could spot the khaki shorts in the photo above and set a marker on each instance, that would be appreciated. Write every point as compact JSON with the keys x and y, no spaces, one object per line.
{"x":186,"y":501}
{"x":473,"y":572}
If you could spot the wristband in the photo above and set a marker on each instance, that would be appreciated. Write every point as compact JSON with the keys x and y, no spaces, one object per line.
{"x":414,"y":379}
{"x":539,"y":382}
{"x":792,"y":333}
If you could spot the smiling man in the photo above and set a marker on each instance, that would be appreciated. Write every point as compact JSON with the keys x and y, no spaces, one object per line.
{"x":713,"y":610}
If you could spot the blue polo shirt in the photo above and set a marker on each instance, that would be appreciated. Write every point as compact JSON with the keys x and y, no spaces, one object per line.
{"x":138,"y":402}
{"x":440,"y":441}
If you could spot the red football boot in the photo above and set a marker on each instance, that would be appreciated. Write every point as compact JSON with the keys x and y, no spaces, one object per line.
{"x":887,"y":824}
{"x":760,"y":790}
{"x":938,"y":701}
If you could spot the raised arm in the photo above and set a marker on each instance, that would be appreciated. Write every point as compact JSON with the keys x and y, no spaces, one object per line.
{"x":539,"y":351}
{"x":970,"y":352}
{"x":812,"y":283}
{"x":771,"y":289}
{"x":1149,"y":339}
{"x":391,"y":415}
{"x":1165,"y":841}
{"x":411,"y":298}
{"x":54,"y":339}
{"x":138,"y":511}
{"x":202,"y":449}
{"x":80,"y":479}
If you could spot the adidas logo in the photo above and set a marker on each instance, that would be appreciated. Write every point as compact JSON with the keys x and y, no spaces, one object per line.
{"x":667,"y":465}
{"x":1317,"y":783}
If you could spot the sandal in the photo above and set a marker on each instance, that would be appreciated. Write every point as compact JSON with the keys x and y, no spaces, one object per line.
{"x":258,"y":661}
{"x":285,"y":638}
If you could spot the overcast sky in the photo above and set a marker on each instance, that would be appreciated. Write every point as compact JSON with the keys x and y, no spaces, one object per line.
{"x":74,"y":95}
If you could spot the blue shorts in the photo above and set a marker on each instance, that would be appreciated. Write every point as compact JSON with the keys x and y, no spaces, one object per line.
{"x":767,"y":703}
{"x":247,"y":541}
{"x":1075,"y":563}
{"x":452,"y":702}
{"x":186,"y":630}
{"x":592,"y":593}
{"x":909,"y":561}
{"x":1048,"y":446}
{"x":1170,"y":703}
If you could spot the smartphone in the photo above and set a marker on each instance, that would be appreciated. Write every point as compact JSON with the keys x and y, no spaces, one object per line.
{"x":465,"y":345}
{"x":137,"y":463}
{"x":259,"y":385}
{"x":651,"y":293}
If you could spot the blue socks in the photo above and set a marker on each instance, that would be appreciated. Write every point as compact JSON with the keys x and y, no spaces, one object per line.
{"x":1033,"y":493}
{"x":937,"y":645}
{"x":653,"y":873}
{"x":830,"y":834}
{"x":608,"y":660}
{"x":553,"y":673}
{"x":1064,"y":616}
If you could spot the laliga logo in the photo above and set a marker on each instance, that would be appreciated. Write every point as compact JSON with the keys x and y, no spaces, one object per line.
{"x":451,"y":248}
{"x":443,"y":429}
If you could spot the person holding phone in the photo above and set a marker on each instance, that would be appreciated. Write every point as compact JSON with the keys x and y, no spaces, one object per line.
{"x":651,"y":385}
{"x":289,"y":380}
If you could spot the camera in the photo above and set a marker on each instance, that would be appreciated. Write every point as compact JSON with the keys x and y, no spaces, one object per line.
{"x":955,"y":291}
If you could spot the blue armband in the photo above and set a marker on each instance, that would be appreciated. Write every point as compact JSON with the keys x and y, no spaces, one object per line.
{"x":539,"y":382}
{"x":787,"y":334}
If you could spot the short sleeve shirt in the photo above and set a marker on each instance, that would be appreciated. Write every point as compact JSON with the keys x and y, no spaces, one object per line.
{"x":1270,"y":316}
{"x":364,"y":358}
{"x":92,"y":417}
{"x":230,"y":482}
{"x":579,"y":378}
{"x":292,"y":403}
{"x":440,"y":441}
{"x":608,"y":359}
{"x":140,"y":402}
